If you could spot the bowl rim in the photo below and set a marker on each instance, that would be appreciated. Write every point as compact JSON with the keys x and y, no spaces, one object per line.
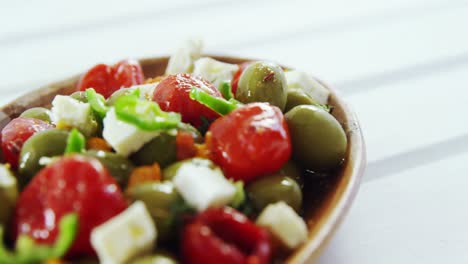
{"x":333,"y":216}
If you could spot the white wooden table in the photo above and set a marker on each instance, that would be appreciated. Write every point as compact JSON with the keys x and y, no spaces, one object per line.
{"x":402,"y":65}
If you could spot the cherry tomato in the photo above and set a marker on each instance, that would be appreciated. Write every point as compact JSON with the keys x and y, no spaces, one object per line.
{"x":15,"y":133}
{"x":237,"y":75}
{"x":71,"y":184}
{"x":107,"y":79}
{"x":251,"y":141}
{"x":172,"y":94}
{"x":224,"y":235}
{"x":127,"y":73}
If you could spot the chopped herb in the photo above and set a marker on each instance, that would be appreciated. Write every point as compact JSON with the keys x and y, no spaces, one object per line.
{"x":239,"y":196}
{"x":97,"y":102}
{"x":217,"y":104}
{"x":226,"y":90}
{"x":144,"y":114}
{"x":76,"y":142}
{"x":28,"y":252}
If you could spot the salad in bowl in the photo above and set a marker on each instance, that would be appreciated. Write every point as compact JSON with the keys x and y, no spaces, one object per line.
{"x":209,"y":162}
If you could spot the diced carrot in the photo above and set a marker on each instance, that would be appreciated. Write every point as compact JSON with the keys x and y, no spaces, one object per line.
{"x":98,"y":144}
{"x":202,"y":151}
{"x":142,"y":174}
{"x":54,"y":261}
{"x":185,"y":145}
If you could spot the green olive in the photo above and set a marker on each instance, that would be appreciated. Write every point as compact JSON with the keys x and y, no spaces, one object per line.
{"x":6,"y":210}
{"x":170,"y":172}
{"x":274,"y":188}
{"x":41,"y":113}
{"x":80,"y":96}
{"x":121,"y":92}
{"x":46,"y":143}
{"x":8,"y":195}
{"x":158,"y":198}
{"x":161,"y":149}
{"x":297,"y":97}
{"x":318,"y":140}
{"x":263,"y":82}
{"x":293,"y":171}
{"x":158,"y":257}
{"x":118,"y":166}
{"x":92,"y":128}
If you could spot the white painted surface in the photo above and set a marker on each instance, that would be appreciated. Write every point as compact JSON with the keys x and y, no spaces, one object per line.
{"x":416,"y":216}
{"x":403,"y":66}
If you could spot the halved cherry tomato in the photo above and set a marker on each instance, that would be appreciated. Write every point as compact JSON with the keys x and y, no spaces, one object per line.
{"x":172,"y":94}
{"x":251,"y":141}
{"x":107,"y":79}
{"x":237,"y":75}
{"x":224,"y":235}
{"x":15,"y":133}
{"x":71,"y":184}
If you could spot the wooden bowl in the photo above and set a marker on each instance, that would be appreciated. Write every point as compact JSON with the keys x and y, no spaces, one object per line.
{"x":326,"y":203}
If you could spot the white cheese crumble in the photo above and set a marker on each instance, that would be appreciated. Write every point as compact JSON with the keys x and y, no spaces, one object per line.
{"x":283,"y":222}
{"x":203,"y":187}
{"x":305,"y":82}
{"x":214,"y":71}
{"x":125,"y":138}
{"x":129,"y":234}
{"x":182,"y":60}
{"x":69,"y":112}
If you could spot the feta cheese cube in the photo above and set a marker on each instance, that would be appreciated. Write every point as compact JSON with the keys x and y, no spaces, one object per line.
{"x":146,"y":90}
{"x":125,"y":236}
{"x":124,"y":137}
{"x":214,"y":71}
{"x":69,"y":112}
{"x":182,"y":60}
{"x":203,"y":187}
{"x":283,"y":222}
{"x":301,"y":80}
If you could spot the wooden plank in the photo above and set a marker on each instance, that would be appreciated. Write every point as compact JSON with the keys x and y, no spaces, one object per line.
{"x":43,"y":59}
{"x":417,"y":216}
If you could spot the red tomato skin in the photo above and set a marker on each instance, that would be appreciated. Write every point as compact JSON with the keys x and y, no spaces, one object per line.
{"x":251,"y":141}
{"x":98,"y":77}
{"x":224,"y":235}
{"x":72,"y":184}
{"x":15,"y":133}
{"x":127,"y":73}
{"x":107,"y":79}
{"x":172,"y":94}
{"x":237,"y":75}
{"x":200,"y":245}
